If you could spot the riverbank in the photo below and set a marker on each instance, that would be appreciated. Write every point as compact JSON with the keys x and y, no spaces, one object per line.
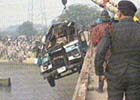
{"x":30,"y":61}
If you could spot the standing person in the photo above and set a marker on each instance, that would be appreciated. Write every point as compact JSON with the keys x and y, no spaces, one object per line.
{"x":98,"y":32}
{"x":123,"y":73}
{"x":101,"y":24}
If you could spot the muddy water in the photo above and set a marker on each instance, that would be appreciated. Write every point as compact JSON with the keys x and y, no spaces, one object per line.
{"x":28,"y":84}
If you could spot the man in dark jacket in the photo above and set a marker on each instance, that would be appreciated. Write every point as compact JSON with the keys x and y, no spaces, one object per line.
{"x":123,"y":72}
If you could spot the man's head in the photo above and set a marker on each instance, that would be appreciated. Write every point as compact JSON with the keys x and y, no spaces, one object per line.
{"x":126,"y":8}
{"x":105,"y":16}
{"x":105,"y":13}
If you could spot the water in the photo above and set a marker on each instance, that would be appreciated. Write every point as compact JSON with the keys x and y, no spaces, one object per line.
{"x":28,"y":84}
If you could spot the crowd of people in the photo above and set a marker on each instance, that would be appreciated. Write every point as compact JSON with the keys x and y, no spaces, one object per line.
{"x":17,"y":48}
{"x":117,"y":53}
{"x":116,"y":44}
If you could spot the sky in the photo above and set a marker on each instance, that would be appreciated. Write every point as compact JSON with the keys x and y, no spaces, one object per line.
{"x":18,"y":11}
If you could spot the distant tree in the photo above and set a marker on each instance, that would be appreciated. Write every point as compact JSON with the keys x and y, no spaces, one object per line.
{"x":3,"y":34}
{"x":26,"y":28}
{"x":81,"y":14}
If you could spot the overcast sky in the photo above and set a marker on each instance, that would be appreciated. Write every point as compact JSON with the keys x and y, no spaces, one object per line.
{"x":17,"y":11}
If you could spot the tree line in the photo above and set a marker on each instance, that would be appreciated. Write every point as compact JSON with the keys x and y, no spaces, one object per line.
{"x":84,"y":15}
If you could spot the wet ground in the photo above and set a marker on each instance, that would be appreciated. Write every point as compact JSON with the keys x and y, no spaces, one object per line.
{"x":28,"y":84}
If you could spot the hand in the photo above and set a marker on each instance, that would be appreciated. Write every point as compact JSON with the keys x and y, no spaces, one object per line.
{"x":102,"y":78}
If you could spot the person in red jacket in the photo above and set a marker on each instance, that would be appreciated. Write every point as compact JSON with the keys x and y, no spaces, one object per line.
{"x":98,"y":31}
{"x":102,"y":23}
